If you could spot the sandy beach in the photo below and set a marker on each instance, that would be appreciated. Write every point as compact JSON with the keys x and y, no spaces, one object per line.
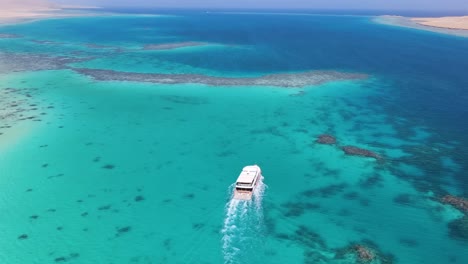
{"x":19,"y":11}
{"x":457,"y":26}
{"x":444,"y":22}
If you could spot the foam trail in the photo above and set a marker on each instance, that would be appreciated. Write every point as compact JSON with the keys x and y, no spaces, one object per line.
{"x":242,"y":225}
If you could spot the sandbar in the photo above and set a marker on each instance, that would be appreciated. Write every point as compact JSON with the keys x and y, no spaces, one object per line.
{"x":18,"y":11}
{"x":457,"y":26}
{"x":444,"y":22}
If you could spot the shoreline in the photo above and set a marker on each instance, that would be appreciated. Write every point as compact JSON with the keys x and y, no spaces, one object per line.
{"x":457,"y":23}
{"x":14,"y":17}
{"x":442,"y":25}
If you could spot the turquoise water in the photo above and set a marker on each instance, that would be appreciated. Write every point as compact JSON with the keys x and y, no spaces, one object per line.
{"x":135,"y":172}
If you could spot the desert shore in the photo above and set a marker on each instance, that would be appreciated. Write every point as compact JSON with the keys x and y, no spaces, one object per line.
{"x":444,"y":22}
{"x":20,"y":15}
{"x":457,"y":26}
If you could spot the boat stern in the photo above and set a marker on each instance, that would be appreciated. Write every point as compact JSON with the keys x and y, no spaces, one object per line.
{"x":242,"y":195}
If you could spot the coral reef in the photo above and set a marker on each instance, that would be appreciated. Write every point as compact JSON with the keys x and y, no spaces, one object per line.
{"x":170,"y":46}
{"x":139,"y":198}
{"x":458,"y":228}
{"x":123,"y":230}
{"x":355,"y":151}
{"x":457,"y":202}
{"x":23,"y":237}
{"x":108,"y":166}
{"x":290,"y":80}
{"x":326,"y":139}
{"x":9,"y":36}
{"x":364,"y":253}
{"x":35,"y":62}
{"x":67,"y":258}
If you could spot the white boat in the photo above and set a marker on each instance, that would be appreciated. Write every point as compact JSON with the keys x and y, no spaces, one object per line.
{"x":247,"y":182}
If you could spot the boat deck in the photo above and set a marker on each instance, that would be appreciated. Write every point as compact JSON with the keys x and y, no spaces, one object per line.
{"x":242,"y":195}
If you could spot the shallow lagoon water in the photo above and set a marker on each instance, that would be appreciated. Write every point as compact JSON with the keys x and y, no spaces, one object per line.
{"x":129,"y":172}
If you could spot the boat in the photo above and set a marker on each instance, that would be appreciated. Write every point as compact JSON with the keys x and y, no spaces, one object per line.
{"x":247,"y":182}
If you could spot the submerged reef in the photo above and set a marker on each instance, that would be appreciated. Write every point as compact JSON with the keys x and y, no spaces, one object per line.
{"x":9,"y":36}
{"x":458,"y":228}
{"x":457,"y":202}
{"x":355,"y":151}
{"x":326,"y":139}
{"x":290,"y":80}
{"x":23,"y":237}
{"x":71,"y":256}
{"x":295,"y":209}
{"x":18,"y":104}
{"x":34,"y":62}
{"x":366,"y":252}
{"x":122,"y":230}
{"x":326,"y":191}
{"x":170,"y":46}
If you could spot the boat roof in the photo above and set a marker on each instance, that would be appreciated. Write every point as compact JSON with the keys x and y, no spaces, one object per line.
{"x":248,"y":174}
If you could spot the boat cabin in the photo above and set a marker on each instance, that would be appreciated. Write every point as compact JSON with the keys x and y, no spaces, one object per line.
{"x":246,"y":182}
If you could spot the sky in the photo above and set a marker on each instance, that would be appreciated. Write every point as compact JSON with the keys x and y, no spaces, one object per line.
{"x":433,"y":5}
{"x":453,"y":5}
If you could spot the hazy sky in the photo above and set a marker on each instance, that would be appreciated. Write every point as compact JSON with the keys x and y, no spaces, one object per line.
{"x":460,"y":5}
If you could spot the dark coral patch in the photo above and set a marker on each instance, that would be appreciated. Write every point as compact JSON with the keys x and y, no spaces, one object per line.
{"x":295,"y":209}
{"x":139,"y":198}
{"x":351,"y":195}
{"x":67,"y":258}
{"x":34,"y":217}
{"x":371,"y":181}
{"x":409,"y":242}
{"x":108,"y":167}
{"x":60,"y":259}
{"x":364,"y":253}
{"x":189,"y":196}
{"x":457,"y":202}
{"x":355,"y":151}
{"x":327,"y":191}
{"x":404,"y":199}
{"x":104,"y":207}
{"x":56,"y":176}
{"x":23,"y":237}
{"x":309,"y":238}
{"x":123,"y":230}
{"x":459,"y":228}
{"x":326,"y":139}
{"x":198,"y":226}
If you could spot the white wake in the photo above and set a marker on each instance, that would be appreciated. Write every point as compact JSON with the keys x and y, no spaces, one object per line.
{"x":243,"y":225}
